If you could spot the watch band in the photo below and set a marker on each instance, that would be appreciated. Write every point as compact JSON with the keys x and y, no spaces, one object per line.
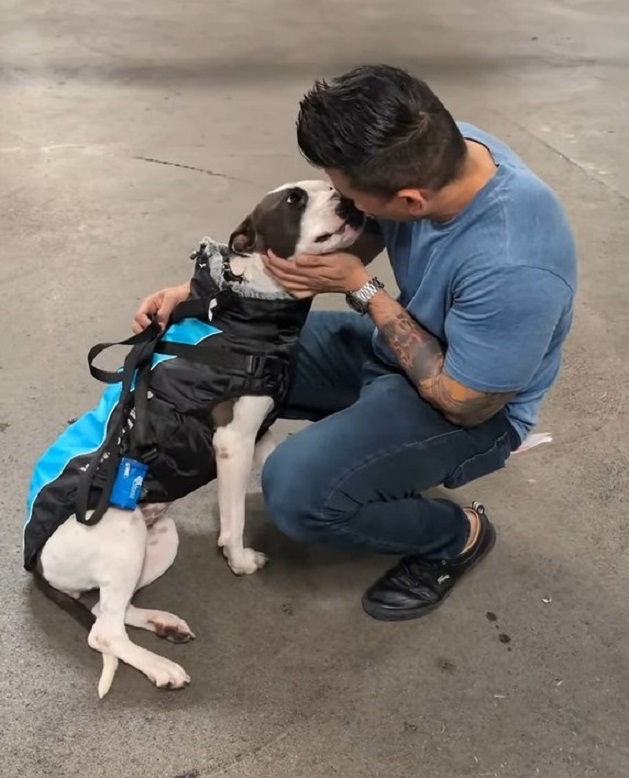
{"x":359,"y":300}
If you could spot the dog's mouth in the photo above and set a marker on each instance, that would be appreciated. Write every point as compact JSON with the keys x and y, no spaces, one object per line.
{"x":346,"y":229}
{"x":352,"y":222}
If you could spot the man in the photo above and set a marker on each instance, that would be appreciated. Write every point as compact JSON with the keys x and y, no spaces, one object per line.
{"x":438,"y":385}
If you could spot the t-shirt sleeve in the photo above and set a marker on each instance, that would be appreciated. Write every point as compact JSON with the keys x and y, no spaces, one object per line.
{"x":500,"y":326}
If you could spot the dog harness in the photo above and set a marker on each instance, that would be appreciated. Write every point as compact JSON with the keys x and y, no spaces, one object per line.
{"x":152,"y":425}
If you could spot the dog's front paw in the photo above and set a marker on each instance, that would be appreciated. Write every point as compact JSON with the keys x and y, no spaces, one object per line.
{"x":245,"y":561}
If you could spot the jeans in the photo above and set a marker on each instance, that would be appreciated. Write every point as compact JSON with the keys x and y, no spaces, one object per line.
{"x":354,"y":479}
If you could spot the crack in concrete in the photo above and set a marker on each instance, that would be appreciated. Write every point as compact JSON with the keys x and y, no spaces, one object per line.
{"x":253,"y":752}
{"x":153,"y":160}
{"x":212,"y":173}
{"x":567,"y":158}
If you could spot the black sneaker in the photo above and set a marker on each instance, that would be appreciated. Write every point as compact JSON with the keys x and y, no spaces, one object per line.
{"x":415,"y":587}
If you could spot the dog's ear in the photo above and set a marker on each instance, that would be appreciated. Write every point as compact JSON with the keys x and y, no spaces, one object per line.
{"x":244,"y":238}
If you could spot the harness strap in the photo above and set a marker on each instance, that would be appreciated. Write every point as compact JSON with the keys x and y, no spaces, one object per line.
{"x":214,"y":354}
{"x":138,"y":359}
{"x":138,"y":364}
{"x":203,"y":307}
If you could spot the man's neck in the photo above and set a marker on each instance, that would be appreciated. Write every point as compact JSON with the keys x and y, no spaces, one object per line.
{"x":478,"y":168}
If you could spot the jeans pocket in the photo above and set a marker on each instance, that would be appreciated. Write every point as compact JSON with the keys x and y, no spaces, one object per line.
{"x":481,"y":464}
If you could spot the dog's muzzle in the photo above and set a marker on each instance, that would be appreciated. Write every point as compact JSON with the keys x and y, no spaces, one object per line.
{"x":347,"y":211}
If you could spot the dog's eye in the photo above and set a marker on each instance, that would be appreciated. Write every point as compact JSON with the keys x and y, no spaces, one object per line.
{"x":324,"y":237}
{"x":296,"y":197}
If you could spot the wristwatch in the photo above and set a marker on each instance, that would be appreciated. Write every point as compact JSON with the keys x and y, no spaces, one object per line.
{"x":359,"y":300}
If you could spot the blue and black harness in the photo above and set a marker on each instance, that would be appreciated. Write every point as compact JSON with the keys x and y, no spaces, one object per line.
{"x":149,"y":439}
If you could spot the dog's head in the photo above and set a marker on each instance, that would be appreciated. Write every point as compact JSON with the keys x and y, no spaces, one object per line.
{"x":307,"y":217}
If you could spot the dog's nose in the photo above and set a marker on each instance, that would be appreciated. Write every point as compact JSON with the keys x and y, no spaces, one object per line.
{"x":348,"y":212}
{"x":346,"y":206}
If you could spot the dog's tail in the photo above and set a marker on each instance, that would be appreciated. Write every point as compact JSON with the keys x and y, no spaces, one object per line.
{"x":81,"y":613}
{"x":110,"y":665}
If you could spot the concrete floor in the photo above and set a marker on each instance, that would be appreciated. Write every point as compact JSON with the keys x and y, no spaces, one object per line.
{"x":128,"y":131}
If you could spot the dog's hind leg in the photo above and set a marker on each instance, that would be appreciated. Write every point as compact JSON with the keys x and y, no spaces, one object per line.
{"x":162,"y":544}
{"x":163,"y":624}
{"x":234,"y":445}
{"x":161,"y":551}
{"x":110,"y":557}
{"x":109,"y":636}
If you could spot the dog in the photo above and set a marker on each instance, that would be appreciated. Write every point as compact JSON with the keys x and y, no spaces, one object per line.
{"x":203,"y":402}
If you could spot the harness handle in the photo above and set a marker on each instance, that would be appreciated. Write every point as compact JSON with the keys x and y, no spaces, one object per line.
{"x":150,"y":334}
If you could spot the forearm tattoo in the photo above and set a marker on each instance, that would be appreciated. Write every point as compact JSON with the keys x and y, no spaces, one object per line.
{"x":421,"y":356}
{"x":419,"y":353}
{"x":469,"y":410}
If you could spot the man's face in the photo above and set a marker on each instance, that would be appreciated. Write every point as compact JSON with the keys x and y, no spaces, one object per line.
{"x":406,"y":205}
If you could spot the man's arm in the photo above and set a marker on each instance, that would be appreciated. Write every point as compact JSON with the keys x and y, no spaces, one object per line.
{"x":497,"y":331}
{"x":422,"y":358}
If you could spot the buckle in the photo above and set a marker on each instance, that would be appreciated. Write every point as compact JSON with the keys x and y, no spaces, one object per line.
{"x":149,"y":455}
{"x":254,"y":363}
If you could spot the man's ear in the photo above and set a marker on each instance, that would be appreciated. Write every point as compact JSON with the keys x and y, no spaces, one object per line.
{"x":244,"y":238}
{"x":414,"y":201}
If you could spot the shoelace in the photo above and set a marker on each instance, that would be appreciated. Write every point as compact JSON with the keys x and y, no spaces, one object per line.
{"x":417,"y":575}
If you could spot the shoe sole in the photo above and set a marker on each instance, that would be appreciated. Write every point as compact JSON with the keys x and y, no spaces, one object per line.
{"x":383,"y":614}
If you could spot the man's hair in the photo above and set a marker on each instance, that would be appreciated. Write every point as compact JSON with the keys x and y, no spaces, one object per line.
{"x":383,"y":129}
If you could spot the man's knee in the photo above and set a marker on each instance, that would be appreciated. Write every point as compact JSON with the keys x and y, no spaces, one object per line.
{"x":294,"y":496}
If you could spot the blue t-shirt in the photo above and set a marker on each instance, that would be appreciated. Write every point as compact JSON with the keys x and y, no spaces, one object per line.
{"x":496,"y":284}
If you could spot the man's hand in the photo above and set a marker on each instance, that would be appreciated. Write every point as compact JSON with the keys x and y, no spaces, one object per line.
{"x":308,"y":275}
{"x":160,"y":304}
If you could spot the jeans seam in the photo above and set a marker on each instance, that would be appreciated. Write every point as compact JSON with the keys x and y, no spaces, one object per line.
{"x":367,"y":540}
{"x":497,"y":442}
{"x":373,"y":458}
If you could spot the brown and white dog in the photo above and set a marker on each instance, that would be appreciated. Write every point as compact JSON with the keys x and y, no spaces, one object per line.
{"x":127,"y":550}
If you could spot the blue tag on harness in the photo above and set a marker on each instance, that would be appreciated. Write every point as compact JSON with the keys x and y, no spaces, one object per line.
{"x":127,"y":486}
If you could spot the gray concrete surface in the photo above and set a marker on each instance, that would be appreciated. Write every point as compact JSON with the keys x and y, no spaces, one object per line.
{"x":289,"y":677}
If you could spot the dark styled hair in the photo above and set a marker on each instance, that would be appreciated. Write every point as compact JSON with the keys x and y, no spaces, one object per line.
{"x":383,"y":129}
